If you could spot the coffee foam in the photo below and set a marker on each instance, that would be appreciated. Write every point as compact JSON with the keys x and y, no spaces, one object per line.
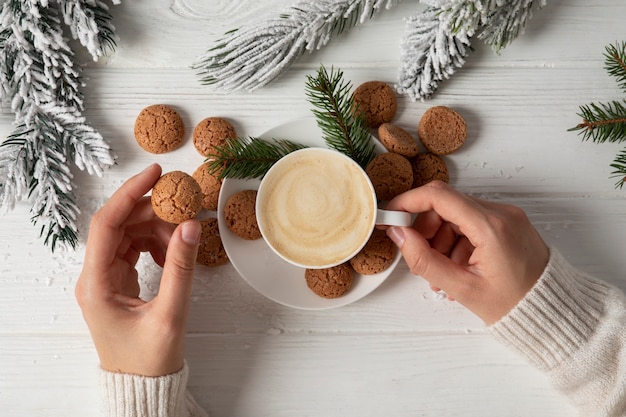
{"x":318,"y":208}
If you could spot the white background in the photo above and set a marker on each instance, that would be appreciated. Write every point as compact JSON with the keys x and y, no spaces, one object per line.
{"x":400,"y":351}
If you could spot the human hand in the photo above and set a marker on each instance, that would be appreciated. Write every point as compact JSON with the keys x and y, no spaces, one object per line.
{"x":133,"y":336}
{"x":485,"y":255}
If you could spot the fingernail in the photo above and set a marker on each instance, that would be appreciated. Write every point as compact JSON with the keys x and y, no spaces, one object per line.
{"x":190,"y":232}
{"x":396,"y":234}
{"x":148,"y":168}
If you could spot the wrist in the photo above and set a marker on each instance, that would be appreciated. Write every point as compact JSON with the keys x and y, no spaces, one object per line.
{"x":557,"y":316}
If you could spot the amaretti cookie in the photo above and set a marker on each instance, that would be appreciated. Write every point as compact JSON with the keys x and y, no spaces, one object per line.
{"x":397,"y":140}
{"x":211,"y":251}
{"x":330,"y":282}
{"x":376,"y":256}
{"x":442,"y":130}
{"x":377,"y":101}
{"x":176,"y":197}
{"x":159,"y":129}
{"x":211,"y":132}
{"x":210,"y":184}
{"x":240,"y":214}
{"x":428,"y":167}
{"x":391,"y":174}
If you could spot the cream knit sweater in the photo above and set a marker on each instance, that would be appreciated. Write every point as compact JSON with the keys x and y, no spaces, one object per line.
{"x":570,"y":325}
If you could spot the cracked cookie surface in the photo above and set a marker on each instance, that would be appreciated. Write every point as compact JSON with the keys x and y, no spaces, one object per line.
{"x":211,"y":251}
{"x":176,"y":197}
{"x":159,"y":129}
{"x":391,"y":174}
{"x":240,"y":215}
{"x":330,"y":282}
{"x":377,"y":100}
{"x":212,"y":132}
{"x":376,"y":256}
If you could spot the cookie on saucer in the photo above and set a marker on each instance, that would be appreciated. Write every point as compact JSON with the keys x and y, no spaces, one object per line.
{"x":376,"y":256}
{"x":176,"y":197}
{"x":240,"y":215}
{"x":211,"y":251}
{"x":391,"y":174}
{"x":428,"y":167}
{"x":330,"y":282}
{"x":159,"y":129}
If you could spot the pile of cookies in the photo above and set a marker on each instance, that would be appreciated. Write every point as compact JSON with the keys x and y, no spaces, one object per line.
{"x":178,"y":196}
{"x":441,"y":130}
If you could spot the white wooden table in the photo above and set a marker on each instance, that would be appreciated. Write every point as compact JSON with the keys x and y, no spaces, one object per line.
{"x":398,"y":352}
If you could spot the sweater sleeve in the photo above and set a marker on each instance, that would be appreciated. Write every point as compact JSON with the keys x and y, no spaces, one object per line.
{"x":137,"y":396}
{"x":573,"y":327}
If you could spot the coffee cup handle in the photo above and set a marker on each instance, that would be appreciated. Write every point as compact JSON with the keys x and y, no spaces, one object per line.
{"x":393,"y":218}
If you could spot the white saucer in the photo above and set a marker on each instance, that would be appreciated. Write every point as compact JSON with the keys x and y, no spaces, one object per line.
{"x":265,"y":271}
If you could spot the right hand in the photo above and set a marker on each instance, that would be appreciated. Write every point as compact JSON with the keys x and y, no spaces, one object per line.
{"x":485,"y":255}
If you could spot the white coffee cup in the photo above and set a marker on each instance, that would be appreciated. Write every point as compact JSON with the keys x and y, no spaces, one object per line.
{"x":316,"y":208}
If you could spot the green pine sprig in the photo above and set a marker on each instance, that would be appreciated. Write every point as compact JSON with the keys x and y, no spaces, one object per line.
{"x":615,"y":63}
{"x":248,"y":157}
{"x":344,"y":129}
{"x":606,"y":122}
{"x":603,"y":122}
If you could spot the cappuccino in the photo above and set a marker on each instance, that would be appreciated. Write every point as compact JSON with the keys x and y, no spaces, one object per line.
{"x":316,"y":208}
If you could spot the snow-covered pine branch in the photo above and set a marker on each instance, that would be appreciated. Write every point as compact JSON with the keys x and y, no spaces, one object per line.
{"x":507,"y":21}
{"x":430,"y":54}
{"x":40,"y":79}
{"x":437,"y":41}
{"x":252,"y":56}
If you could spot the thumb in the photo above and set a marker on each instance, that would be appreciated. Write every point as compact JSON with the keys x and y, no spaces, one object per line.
{"x":433,"y":266}
{"x":180,"y":261}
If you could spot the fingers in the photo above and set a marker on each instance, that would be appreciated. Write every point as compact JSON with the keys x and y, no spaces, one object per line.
{"x":439,"y":270}
{"x":444,"y":204}
{"x":105,"y":231}
{"x":177,"y":278}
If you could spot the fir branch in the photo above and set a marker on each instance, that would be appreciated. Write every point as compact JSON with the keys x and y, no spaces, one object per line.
{"x":506,"y":21}
{"x":252,"y":56}
{"x":90,"y":23}
{"x":619,"y":164}
{"x":615,"y":63}
{"x":343,"y":127}
{"x":248,"y":157}
{"x":40,"y":78}
{"x":430,"y":54}
{"x":603,"y":122}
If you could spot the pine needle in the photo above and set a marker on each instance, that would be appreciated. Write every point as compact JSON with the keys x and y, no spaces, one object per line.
{"x":344,"y":129}
{"x":615,"y":63}
{"x":602,"y":122}
{"x":619,"y":164}
{"x":606,"y":122}
{"x":248,"y":157}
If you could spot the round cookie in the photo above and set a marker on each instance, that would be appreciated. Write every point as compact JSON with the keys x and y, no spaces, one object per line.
{"x":391,"y":174}
{"x":428,"y":167}
{"x":377,"y":100}
{"x":376,"y":256}
{"x":211,"y":251}
{"x":442,"y":130}
{"x":159,"y":129}
{"x":176,"y":197}
{"x":210,"y":185}
{"x":240,"y":214}
{"x":211,"y":132}
{"x":397,"y":140}
{"x":330,"y":282}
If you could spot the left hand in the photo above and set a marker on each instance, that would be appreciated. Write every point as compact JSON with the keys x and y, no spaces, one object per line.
{"x":133,"y":336}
